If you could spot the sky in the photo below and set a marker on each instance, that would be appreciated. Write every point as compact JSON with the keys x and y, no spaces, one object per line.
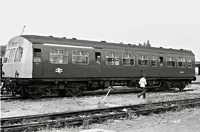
{"x":165,"y":23}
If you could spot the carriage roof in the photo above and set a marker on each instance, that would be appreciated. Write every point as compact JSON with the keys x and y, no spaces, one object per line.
{"x":35,"y":39}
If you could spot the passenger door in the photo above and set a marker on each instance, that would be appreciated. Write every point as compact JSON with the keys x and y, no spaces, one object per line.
{"x":161,"y":65}
{"x":97,"y":63}
{"x":37,"y":63}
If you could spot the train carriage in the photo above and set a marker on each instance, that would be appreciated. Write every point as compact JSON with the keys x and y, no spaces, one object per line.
{"x":37,"y":65}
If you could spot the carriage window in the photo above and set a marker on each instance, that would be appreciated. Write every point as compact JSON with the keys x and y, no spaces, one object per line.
{"x":153,"y":61}
{"x":18,"y":55}
{"x":181,"y":62}
{"x":143,"y":60}
{"x":58,"y":56}
{"x":5,"y":58}
{"x":80,"y":57}
{"x":37,"y":55}
{"x":171,"y":62}
{"x":189,"y":63}
{"x":128,"y":60}
{"x":12,"y":55}
{"x":112,"y":58}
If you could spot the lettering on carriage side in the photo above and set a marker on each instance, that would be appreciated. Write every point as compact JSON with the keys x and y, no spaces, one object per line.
{"x":181,"y":71}
{"x":58,"y":70}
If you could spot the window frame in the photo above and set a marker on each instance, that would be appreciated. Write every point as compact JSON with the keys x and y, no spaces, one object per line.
{"x":6,"y":56}
{"x":88,"y":56}
{"x":16,"y":59}
{"x":189,"y":62}
{"x":53,"y":55}
{"x":13,"y":57}
{"x":171,"y":59}
{"x":182,"y":60}
{"x":115,"y":57}
{"x":153,"y":58}
{"x":142,"y":57}
{"x":130,"y":57}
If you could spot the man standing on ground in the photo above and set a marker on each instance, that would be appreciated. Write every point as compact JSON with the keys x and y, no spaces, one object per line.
{"x":142,"y":83}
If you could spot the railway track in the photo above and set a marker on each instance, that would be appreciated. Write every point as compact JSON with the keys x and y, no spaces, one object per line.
{"x":195,"y":82}
{"x":9,"y":98}
{"x":86,"y":117}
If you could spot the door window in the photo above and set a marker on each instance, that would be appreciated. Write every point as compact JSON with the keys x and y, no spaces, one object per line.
{"x":161,"y":61}
{"x":37,"y":55}
{"x":98,"y":57}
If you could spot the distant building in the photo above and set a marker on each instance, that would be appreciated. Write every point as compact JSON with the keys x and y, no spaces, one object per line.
{"x":2,"y":50}
{"x":197,"y":67}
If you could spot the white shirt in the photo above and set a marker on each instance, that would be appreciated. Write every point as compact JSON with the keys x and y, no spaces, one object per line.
{"x":142,"y":82}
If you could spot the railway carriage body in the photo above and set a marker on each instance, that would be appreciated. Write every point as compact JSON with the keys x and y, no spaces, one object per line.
{"x":37,"y":64}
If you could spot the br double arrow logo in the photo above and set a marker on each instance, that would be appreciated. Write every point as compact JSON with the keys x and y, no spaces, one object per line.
{"x":58,"y":70}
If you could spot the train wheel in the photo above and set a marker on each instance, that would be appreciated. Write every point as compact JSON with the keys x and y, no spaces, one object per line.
{"x":165,"y":87}
{"x":36,"y":96}
{"x":35,"y":92}
{"x":151,"y":89}
{"x":62,"y":92}
{"x":182,"y":86}
{"x":24,"y":94}
{"x":74,"y":92}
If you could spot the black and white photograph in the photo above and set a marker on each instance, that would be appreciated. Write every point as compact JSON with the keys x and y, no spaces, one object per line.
{"x":100,"y":66}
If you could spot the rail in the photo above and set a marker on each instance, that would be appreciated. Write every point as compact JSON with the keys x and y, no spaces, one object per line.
{"x":87,"y":117}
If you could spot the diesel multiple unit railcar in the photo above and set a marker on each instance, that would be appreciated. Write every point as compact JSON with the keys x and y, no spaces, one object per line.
{"x":37,"y":65}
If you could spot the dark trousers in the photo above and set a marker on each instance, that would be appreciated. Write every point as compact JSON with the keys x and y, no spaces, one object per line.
{"x":144,"y":90}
